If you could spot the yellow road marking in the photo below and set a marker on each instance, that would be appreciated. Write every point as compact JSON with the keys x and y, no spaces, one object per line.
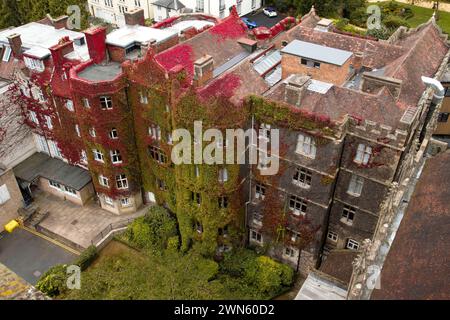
{"x":59,"y":244}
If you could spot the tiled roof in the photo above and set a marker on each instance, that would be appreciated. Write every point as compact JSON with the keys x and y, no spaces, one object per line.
{"x":339,"y":265}
{"x":417,"y":264}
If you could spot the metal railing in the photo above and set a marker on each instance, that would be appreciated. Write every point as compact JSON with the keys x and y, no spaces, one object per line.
{"x":115,"y":226}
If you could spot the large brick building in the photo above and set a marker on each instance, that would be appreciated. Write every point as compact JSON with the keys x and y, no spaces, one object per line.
{"x":348,"y":110}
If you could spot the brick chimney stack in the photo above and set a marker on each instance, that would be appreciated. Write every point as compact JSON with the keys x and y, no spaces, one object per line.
{"x":96,"y":42}
{"x":203,"y":70}
{"x":58,"y":51}
{"x":60,"y":22}
{"x":135,"y":17}
{"x":15,"y":43}
{"x":295,"y":87}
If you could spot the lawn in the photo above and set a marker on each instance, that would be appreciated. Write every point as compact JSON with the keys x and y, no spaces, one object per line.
{"x":422,"y":15}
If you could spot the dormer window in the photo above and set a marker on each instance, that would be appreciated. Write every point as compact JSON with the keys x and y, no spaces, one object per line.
{"x":34,"y":64}
{"x":7,"y":54}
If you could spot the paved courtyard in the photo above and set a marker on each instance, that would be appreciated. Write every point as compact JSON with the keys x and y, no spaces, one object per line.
{"x":78,"y":224}
{"x":30,"y":256}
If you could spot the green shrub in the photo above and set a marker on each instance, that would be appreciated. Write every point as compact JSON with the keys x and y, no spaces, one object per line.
{"x":236,"y":262}
{"x":86,"y":258}
{"x":54,"y":281}
{"x":383,"y":33}
{"x":153,"y":230}
{"x":173,"y":243}
{"x":359,"y":17}
{"x":393,"y":22}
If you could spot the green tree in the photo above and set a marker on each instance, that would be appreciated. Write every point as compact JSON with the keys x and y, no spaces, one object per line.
{"x":9,"y":14}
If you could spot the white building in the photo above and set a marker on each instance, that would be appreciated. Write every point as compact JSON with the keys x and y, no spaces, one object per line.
{"x":112,"y":11}
{"x":220,"y":8}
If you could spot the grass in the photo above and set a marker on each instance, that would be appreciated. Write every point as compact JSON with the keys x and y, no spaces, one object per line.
{"x":422,"y":15}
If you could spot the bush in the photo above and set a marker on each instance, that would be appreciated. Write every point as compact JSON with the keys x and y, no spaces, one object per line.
{"x":86,"y":258}
{"x":153,"y":230}
{"x":383,"y":33}
{"x":359,"y":17}
{"x":54,"y":281}
{"x":393,"y":22}
{"x":173,"y":243}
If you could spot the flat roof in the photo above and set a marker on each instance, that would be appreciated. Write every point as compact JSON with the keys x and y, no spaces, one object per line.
{"x":37,"y":38}
{"x":42,"y":165}
{"x":97,"y":72}
{"x":128,"y":35}
{"x":317,"y":52}
{"x":316,"y":287}
{"x":186,"y":24}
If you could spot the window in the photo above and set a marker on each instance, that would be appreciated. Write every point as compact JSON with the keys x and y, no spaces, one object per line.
{"x":223,"y":202}
{"x":306,"y":146}
{"x":363,"y":154}
{"x":143,"y":97}
{"x":317,"y":65}
{"x":106,"y":103}
{"x":34,"y":64}
{"x":157,"y":154}
{"x":256,"y":236}
{"x":122,"y":181}
{"x":69,"y":105}
{"x":113,"y":134}
{"x":304,"y":61}
{"x":352,"y":244}
{"x":298,"y":205}
{"x":223,"y":175}
{"x":198,"y":227}
{"x":54,"y":149}
{"x":332,"y":236}
{"x":92,"y":132}
{"x":77,"y":130}
{"x":86,"y":103}
{"x":70,"y":191}
{"x":295,"y":236}
{"x":42,"y":144}
{"x":4,"y":194}
{"x":33,"y":117}
{"x":109,"y":201}
{"x":155,"y":132}
{"x":348,"y":214}
{"x":355,"y":186}
{"x":103,"y":181}
{"x":116,"y":157}
{"x":443,"y":117}
{"x":264,"y":161}
{"x":302,"y":177}
{"x":290,"y":252}
{"x":54,"y":185}
{"x":125,"y":202}
{"x":48,"y":122}
{"x":223,"y":232}
{"x":196,"y":198}
{"x":98,"y":155}
{"x":169,"y":138}
{"x":260,"y":192}
{"x":7,"y":54}
{"x":161,"y":184}
{"x":257,"y":219}
{"x":83,"y":156}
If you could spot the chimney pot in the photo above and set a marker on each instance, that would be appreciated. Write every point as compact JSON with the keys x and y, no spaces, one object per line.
{"x":295,"y":87}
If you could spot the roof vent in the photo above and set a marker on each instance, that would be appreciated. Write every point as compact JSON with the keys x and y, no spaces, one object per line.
{"x":324,"y":25}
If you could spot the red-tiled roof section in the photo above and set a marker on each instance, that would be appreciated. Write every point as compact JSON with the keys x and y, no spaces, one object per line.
{"x":417,"y":264}
{"x":220,"y":42}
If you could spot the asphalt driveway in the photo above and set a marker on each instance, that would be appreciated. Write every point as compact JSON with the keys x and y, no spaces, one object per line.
{"x":30,"y":256}
{"x":262,"y":20}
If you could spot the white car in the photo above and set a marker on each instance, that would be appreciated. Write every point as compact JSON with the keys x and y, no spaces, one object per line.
{"x":270,"y":12}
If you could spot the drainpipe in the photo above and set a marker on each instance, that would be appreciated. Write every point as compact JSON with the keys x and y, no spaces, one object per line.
{"x":439,"y":91}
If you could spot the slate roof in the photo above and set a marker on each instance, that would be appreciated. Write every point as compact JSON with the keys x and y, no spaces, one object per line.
{"x":338,"y":265}
{"x":170,"y":4}
{"x":41,"y":165}
{"x":417,"y":265}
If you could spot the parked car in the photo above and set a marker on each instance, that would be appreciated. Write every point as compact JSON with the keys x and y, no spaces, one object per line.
{"x":250,"y":23}
{"x":270,"y":12}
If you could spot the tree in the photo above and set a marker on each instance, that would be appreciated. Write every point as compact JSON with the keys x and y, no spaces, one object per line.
{"x":8,"y":14}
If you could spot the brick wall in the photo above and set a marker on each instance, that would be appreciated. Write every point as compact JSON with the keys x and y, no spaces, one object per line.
{"x":8,"y":210}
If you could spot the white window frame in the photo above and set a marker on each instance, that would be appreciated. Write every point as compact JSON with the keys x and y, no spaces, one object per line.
{"x":348,"y":215}
{"x":122,"y":182}
{"x":223,"y":175}
{"x":48,"y":121}
{"x":33,"y":117}
{"x":257,"y":237}
{"x":104,"y":181}
{"x":143,"y":97}
{"x":260,"y":191}
{"x":356,"y":185}
{"x":98,"y":155}
{"x":86,"y":103}
{"x":363,"y":154}
{"x":332,"y":236}
{"x":298,"y":200}
{"x":69,"y":105}
{"x":108,"y":201}
{"x":7,"y":54}
{"x":306,"y":146}
{"x":116,"y":157}
{"x":114,"y":134}
{"x":125,"y":202}
{"x":4,"y":194}
{"x":106,"y":103}
{"x":302,"y":174}
{"x":352,"y":244}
